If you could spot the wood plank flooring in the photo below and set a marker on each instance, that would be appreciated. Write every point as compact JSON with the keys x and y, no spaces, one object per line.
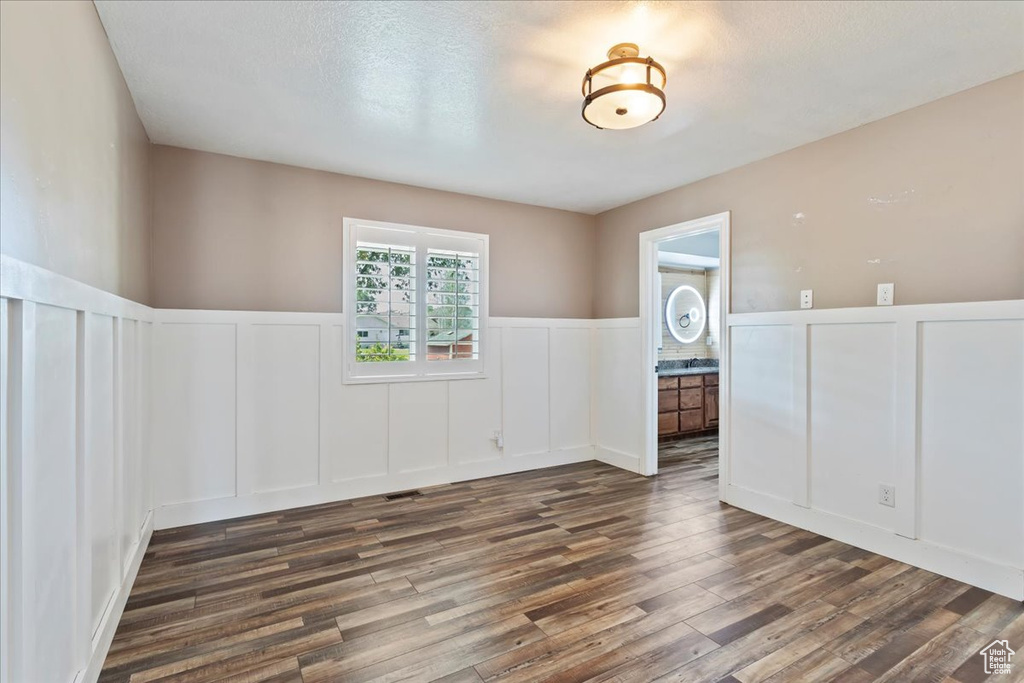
{"x":576,"y":573}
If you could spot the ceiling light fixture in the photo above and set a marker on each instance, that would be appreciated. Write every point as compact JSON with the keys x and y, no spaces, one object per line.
{"x":624,"y":92}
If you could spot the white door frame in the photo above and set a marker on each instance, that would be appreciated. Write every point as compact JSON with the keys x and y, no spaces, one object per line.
{"x":650,"y":331}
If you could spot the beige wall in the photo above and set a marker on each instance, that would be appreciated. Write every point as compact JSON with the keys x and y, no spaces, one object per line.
{"x":908,"y":199}
{"x":73,"y":158}
{"x":232,"y":233}
{"x":912,"y":199}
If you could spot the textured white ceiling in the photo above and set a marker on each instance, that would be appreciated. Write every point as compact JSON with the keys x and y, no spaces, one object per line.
{"x":484,"y":97}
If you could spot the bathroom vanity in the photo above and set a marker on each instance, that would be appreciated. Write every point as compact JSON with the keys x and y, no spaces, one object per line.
{"x":687,"y":401}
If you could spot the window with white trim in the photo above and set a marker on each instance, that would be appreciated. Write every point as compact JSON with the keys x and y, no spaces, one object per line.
{"x":415,"y":302}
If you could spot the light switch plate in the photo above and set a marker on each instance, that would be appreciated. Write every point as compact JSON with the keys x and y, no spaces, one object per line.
{"x":806,"y":298}
{"x":886,"y":294}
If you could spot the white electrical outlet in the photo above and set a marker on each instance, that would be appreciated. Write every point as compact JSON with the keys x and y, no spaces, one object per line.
{"x":806,"y":298}
{"x":887,"y":495}
{"x":498,"y":439}
{"x":885,"y":294}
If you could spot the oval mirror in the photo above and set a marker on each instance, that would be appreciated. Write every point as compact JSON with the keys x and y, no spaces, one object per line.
{"x":685,"y":314}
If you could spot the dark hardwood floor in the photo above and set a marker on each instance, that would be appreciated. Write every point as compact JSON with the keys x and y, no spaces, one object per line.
{"x":582,"y":572}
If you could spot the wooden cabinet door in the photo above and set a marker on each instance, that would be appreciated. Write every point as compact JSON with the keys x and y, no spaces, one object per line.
{"x":710,"y":406}
{"x":691,"y":420}
{"x":668,"y":423}
{"x":668,"y":401}
{"x":690,"y":398}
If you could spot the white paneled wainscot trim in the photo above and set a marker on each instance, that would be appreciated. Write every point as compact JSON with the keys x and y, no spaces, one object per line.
{"x":117,"y":418}
{"x":827,"y":405}
{"x":74,"y":471}
{"x":617,"y":405}
{"x":250,"y":413}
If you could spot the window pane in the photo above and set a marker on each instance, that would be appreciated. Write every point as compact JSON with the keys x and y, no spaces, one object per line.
{"x":384,"y":282}
{"x":452,"y":305}
{"x":385,"y":303}
{"x":452,"y":299}
{"x":383,"y":307}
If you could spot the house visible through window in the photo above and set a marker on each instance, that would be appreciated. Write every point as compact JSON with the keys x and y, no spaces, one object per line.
{"x":416,"y":301}
{"x":453,"y":319}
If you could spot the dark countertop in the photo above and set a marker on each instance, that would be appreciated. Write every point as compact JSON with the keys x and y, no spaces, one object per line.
{"x":678,"y":372}
{"x":692,"y":366}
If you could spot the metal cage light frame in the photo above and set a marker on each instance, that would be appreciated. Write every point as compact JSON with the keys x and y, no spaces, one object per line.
{"x":619,"y":55}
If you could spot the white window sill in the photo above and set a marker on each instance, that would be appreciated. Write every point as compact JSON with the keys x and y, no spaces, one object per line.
{"x":393,"y":379}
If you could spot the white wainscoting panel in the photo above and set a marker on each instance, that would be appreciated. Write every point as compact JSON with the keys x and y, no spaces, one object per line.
{"x":616,"y":399}
{"x":570,"y":387}
{"x":417,"y":426}
{"x":195,"y":406}
{"x":474,"y":411}
{"x":353,"y":422}
{"x":279,"y":406}
{"x":223,"y":378}
{"x":116,"y":418}
{"x":48,"y":495}
{"x":525,"y":397}
{"x":762,"y":429}
{"x":355,"y":440}
{"x":143,"y":422}
{"x":129,"y":458}
{"x":8,"y":442}
{"x":926,"y":398}
{"x":98,"y":459}
{"x":852,"y":418}
{"x":74,"y":522}
{"x":972,"y":437}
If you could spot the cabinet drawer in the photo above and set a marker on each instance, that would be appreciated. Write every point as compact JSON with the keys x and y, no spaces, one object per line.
{"x":690,"y":420}
{"x":690,"y":398}
{"x":668,"y":423}
{"x":668,"y":401}
{"x":668,"y":382}
{"x":711,"y":379}
{"x":690,"y":381}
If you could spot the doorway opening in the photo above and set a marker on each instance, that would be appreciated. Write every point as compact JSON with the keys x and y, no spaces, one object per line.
{"x":684,"y":302}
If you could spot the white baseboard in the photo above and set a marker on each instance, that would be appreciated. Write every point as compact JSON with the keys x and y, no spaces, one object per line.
{"x":615,"y":458}
{"x":197,"y":512}
{"x":976,"y":571}
{"x":108,"y":625}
